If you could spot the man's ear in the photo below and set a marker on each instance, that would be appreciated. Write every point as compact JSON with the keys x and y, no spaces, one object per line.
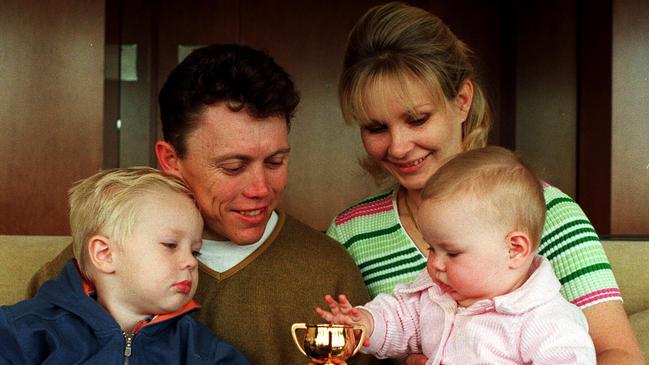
{"x":520,"y":248}
{"x":464,"y":98}
{"x":167,"y":158}
{"x":100,"y":252}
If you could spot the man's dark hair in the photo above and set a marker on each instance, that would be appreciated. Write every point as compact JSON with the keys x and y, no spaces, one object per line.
{"x":240,"y":76}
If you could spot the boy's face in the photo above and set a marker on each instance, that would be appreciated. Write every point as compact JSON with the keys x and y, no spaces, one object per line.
{"x":156,"y":265}
{"x":468,"y":255}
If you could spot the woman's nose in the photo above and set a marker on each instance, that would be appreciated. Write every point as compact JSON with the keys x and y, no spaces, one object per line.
{"x":400,"y":143}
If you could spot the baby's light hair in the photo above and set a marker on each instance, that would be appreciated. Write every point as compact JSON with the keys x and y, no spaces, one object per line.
{"x":106,"y":204}
{"x":500,"y":181}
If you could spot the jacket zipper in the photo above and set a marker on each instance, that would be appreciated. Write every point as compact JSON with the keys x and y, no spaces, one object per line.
{"x":127,"y":350}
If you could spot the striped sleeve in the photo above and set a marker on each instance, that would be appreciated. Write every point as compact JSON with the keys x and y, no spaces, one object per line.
{"x":573,"y":248}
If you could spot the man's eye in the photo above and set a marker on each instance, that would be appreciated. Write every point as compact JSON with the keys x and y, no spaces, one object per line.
{"x":232,"y":170}
{"x":275,"y":163}
{"x":170,"y":245}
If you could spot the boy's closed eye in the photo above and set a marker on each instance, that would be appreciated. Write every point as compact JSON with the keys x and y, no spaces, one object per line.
{"x":169,"y":245}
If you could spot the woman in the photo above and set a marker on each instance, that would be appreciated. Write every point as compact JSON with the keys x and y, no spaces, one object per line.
{"x":409,"y":84}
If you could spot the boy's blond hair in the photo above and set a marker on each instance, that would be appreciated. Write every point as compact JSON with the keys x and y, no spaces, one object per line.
{"x":106,"y":204}
{"x":504,"y":185}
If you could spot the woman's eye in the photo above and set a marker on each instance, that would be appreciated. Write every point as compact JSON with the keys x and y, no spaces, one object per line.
{"x":375,"y":128}
{"x":419,"y":121}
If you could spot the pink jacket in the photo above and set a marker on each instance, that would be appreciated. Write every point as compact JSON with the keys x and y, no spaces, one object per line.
{"x":532,"y":325}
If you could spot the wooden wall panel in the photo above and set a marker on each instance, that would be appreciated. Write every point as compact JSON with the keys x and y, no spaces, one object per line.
{"x":51,"y":87}
{"x":594,"y":132}
{"x":630,"y":121}
{"x":546,"y":89}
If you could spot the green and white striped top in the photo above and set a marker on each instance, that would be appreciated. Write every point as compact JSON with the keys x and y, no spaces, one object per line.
{"x":372,"y":233}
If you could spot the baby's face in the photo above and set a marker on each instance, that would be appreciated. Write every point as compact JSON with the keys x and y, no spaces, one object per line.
{"x":468,"y":254}
{"x":157,"y":266}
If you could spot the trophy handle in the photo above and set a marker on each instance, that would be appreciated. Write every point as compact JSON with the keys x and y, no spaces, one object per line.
{"x":361,"y":328}
{"x":297,"y":326}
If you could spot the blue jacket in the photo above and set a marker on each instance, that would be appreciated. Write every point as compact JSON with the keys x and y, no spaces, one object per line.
{"x":63,"y":325}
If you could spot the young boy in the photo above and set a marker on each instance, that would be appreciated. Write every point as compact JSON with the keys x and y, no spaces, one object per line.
{"x":485,"y":296}
{"x":136,"y":234}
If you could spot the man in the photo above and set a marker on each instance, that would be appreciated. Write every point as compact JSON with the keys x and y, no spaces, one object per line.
{"x":225,"y":114}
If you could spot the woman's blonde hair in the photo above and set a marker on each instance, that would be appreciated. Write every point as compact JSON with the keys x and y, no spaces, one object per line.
{"x":106,"y":204}
{"x":396,"y":43}
{"x":506,"y":187}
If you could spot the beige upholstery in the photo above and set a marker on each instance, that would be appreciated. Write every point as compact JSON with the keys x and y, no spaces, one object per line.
{"x":21,"y":256}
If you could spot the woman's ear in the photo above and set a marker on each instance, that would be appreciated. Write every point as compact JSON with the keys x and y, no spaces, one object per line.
{"x":520,"y":248}
{"x":464,"y":98}
{"x":100,"y":252}
{"x":167,"y":158}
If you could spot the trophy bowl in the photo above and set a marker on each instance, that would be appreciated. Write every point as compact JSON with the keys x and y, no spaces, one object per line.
{"x":328,"y":343}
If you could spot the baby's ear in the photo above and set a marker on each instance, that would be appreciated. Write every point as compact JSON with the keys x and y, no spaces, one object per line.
{"x":100,"y":253}
{"x":520,"y":248}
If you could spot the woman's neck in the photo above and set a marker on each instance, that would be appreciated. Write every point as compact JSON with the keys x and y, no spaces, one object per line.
{"x":408,"y":202}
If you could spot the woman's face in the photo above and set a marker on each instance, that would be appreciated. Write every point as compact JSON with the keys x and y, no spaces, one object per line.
{"x":412,"y":143}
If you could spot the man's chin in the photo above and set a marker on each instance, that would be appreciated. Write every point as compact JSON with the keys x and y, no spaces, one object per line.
{"x":235,"y":231}
{"x":246,"y":235}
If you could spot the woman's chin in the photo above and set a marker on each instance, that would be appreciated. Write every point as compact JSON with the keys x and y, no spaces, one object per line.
{"x":412,"y":183}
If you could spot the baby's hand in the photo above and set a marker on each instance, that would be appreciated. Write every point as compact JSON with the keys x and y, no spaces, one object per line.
{"x":342,"y":311}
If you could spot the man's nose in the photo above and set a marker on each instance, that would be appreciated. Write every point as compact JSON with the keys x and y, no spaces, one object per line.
{"x":258,"y":186}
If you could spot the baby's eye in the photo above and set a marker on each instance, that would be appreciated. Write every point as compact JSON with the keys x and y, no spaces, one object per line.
{"x":170,"y":245}
{"x":452,"y":254}
{"x":196,"y":253}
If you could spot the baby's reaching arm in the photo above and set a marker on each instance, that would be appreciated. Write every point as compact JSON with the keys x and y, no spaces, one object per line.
{"x":342,"y":312}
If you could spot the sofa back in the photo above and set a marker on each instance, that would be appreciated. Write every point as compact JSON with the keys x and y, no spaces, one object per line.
{"x":22,"y":256}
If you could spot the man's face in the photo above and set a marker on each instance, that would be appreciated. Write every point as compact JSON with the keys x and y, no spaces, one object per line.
{"x":236,"y":166}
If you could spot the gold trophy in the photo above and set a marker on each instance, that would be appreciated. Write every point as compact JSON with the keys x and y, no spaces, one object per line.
{"x":328,"y":343}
